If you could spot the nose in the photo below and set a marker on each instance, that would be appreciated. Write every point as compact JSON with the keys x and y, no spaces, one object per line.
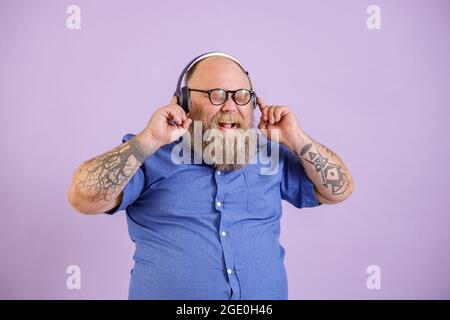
{"x":229,"y":105}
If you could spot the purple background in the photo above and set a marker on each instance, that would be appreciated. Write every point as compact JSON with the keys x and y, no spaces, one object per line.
{"x":378,"y":98}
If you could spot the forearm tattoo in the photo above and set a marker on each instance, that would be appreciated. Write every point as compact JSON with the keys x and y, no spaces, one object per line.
{"x":106,"y":175}
{"x":332,"y":175}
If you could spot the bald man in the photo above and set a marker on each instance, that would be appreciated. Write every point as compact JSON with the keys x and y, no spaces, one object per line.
{"x":210,"y":229}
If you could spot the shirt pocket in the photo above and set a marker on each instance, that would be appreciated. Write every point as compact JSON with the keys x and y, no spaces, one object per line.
{"x":263,"y":194}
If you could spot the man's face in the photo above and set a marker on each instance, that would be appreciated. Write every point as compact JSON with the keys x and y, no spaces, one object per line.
{"x":233,"y":121}
{"x":218,"y":72}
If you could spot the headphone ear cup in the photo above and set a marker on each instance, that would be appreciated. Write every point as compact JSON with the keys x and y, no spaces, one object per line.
{"x":254,"y":99}
{"x":184,"y":99}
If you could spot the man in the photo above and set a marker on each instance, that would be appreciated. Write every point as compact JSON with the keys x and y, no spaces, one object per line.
{"x":210,"y":229}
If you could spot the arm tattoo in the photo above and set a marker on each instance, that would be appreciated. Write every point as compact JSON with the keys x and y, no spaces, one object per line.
{"x":108,"y":174}
{"x":329,"y":151}
{"x":305,"y":149}
{"x":332,"y":174}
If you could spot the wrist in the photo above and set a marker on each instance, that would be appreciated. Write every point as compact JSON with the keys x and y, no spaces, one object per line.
{"x":147,"y":142}
{"x":298,"y":141}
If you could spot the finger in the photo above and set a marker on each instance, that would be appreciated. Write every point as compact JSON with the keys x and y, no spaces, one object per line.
{"x":260,"y":103}
{"x":174,"y":116}
{"x":179,"y":110}
{"x":271,"y":114}
{"x":182,"y":129}
{"x":183,"y":116}
{"x":173,"y":100}
{"x":264,"y":114}
{"x":186,"y":123}
{"x":264,"y":111}
{"x":278,"y":113}
{"x":262,"y":124}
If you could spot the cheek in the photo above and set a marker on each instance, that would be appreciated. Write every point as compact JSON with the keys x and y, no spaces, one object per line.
{"x":201,"y":111}
{"x":207,"y":113}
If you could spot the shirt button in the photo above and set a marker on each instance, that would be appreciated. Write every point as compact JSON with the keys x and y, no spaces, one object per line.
{"x":218,"y":172}
{"x":224,"y":233}
{"x":229,"y":271}
{"x":219,"y":203}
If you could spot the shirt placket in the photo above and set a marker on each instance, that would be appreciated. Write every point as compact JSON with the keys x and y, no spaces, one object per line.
{"x":225,"y":235}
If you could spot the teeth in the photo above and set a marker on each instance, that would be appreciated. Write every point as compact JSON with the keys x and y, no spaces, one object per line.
{"x":226,"y":125}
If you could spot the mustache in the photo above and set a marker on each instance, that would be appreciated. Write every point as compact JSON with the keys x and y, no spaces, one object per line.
{"x":226,"y":117}
{"x":213,"y":122}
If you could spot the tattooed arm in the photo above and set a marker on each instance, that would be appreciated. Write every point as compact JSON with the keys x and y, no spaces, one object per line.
{"x":331,"y":178}
{"x":98,"y":183}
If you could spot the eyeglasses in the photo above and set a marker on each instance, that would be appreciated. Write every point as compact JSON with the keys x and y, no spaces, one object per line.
{"x":218,"y":96}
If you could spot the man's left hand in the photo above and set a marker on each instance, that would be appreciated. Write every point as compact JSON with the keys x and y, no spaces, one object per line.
{"x":283,"y":119}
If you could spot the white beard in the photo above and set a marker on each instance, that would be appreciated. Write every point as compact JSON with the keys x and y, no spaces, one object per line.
{"x":229,"y":150}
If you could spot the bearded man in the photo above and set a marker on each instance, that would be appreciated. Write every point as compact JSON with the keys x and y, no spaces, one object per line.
{"x":209,"y":228}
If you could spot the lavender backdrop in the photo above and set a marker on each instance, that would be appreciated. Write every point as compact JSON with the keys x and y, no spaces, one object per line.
{"x":379,"y":98}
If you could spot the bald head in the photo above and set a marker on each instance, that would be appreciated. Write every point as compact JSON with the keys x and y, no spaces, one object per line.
{"x":217,"y":72}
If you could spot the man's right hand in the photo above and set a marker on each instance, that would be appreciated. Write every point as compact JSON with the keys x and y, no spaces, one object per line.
{"x":166,"y":125}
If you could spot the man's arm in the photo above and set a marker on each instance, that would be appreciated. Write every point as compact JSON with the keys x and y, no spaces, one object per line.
{"x":98,"y":183}
{"x":331,"y":178}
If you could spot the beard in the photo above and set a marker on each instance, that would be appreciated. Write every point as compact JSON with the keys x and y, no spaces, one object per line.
{"x":226,"y":150}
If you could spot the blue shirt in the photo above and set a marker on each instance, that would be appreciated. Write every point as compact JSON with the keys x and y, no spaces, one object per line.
{"x":201,"y":233}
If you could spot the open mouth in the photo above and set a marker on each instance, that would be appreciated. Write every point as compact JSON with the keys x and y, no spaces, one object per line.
{"x":227,"y":125}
